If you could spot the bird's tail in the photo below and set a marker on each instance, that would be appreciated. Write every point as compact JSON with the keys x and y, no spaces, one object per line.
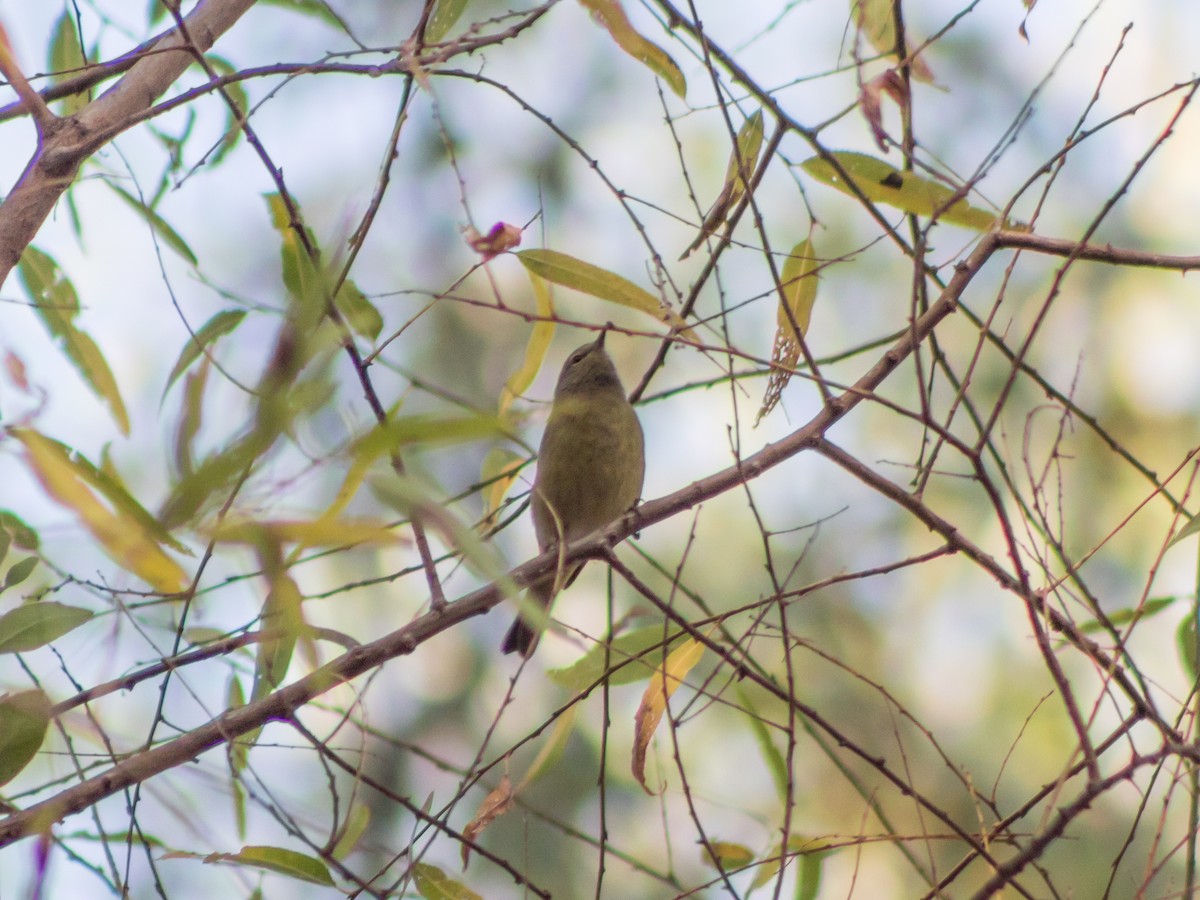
{"x":523,"y":637}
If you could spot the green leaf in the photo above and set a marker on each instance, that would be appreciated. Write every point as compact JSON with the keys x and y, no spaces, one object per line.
{"x":5,"y":543}
{"x":157,"y":223}
{"x":236,"y":97}
{"x":221,"y":324}
{"x":24,"y":718}
{"x":66,"y":60}
{"x":19,"y":571}
{"x":22,"y":535}
{"x":57,"y":304}
{"x":352,"y":830}
{"x":578,"y":275}
{"x":434,"y":884}
{"x":361,"y":315}
{"x":314,"y":9}
{"x":882,"y":183}
{"x":1128,"y":615}
{"x":590,"y":668}
{"x":771,"y":754}
{"x":37,"y":624}
{"x":445,"y":16}
{"x":299,"y":866}
{"x":1187,"y":642}
{"x":611,"y":15}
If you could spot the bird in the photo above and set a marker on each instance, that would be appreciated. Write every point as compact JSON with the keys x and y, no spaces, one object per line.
{"x":591,"y":464}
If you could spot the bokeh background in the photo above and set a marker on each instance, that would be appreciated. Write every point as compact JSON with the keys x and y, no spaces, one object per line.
{"x":929,"y":665}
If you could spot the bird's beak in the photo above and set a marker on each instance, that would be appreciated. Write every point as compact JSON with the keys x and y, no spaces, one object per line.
{"x":600,"y":340}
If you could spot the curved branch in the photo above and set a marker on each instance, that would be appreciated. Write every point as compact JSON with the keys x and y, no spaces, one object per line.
{"x":63,"y":149}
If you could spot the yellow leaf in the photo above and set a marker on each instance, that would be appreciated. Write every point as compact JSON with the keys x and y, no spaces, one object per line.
{"x":498,"y":801}
{"x":323,"y":532}
{"x":726,"y":855}
{"x":500,"y":468}
{"x":122,"y":536}
{"x":799,"y":283}
{"x":582,"y":276}
{"x":611,"y":15}
{"x":882,"y":183}
{"x":535,"y":350}
{"x":663,"y":684}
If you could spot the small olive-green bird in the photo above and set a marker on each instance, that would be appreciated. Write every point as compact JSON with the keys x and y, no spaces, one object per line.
{"x":590,"y":469}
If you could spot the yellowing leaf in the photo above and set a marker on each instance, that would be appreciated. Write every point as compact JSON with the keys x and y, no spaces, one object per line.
{"x":552,"y":750}
{"x":125,"y":539}
{"x":663,"y":684}
{"x":882,"y":183}
{"x":582,"y":276}
{"x":726,"y":855}
{"x":434,"y":884}
{"x":535,"y":349}
{"x":742,"y":161}
{"x":57,"y":304}
{"x":24,"y":718}
{"x":611,"y":15}
{"x":37,"y":624}
{"x":355,"y":826}
{"x":498,"y":801}
{"x":499,"y":471}
{"x":323,"y":532}
{"x":798,"y":283}
{"x":877,"y":23}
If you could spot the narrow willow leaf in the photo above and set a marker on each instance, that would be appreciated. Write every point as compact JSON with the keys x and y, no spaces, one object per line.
{"x":906,"y":191}
{"x":725,"y":855}
{"x":283,"y":618}
{"x":798,"y":282}
{"x":535,"y":350}
{"x":427,"y":429}
{"x":877,"y":23}
{"x":191,"y":416}
{"x":279,"y":860}
{"x":323,"y":532}
{"x":552,"y":750}
{"x":57,"y":305}
{"x":663,"y":684}
{"x":634,"y":645}
{"x":498,"y":473}
{"x":66,"y":60}
{"x":319,"y":10}
{"x":1187,"y":643}
{"x":37,"y":624}
{"x":597,"y":282}
{"x":771,"y":754}
{"x":235,"y":98}
{"x":221,"y":324}
{"x":353,"y":828}
{"x":169,"y":235}
{"x":611,"y":15}
{"x":742,"y":161}
{"x":445,"y":16}
{"x":24,"y":718}
{"x":360,"y":314}
{"x":434,"y":884}
{"x":123,"y":536}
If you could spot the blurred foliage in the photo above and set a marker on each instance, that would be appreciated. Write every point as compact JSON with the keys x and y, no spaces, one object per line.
{"x":867,"y":674}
